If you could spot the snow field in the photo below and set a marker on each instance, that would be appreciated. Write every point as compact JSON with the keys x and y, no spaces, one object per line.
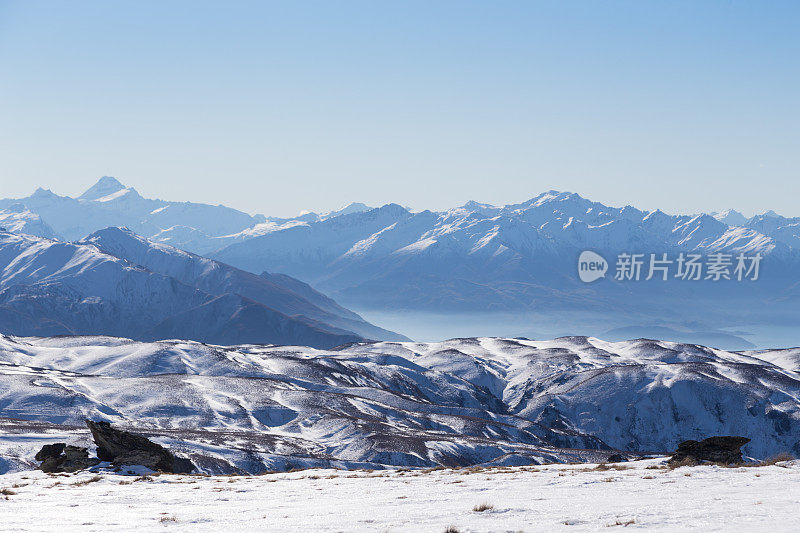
{"x":640,"y":495}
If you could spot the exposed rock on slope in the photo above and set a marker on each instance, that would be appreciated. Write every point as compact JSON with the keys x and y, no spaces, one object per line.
{"x":59,"y":457}
{"x":124,"y":448}
{"x":725,"y":450}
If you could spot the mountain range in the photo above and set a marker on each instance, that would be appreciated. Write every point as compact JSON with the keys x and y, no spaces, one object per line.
{"x":490,"y":401}
{"x":477,"y":258}
{"x":522,"y":260}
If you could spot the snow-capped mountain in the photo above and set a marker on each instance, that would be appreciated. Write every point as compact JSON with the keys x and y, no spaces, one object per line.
{"x":117,"y":283}
{"x":731,"y":217}
{"x":110,"y":203}
{"x":459,"y":402}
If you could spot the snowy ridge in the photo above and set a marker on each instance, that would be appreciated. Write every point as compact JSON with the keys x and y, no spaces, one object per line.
{"x":459,"y":402}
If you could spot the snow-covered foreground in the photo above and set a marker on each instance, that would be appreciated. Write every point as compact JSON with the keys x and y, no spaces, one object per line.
{"x":541,"y":498}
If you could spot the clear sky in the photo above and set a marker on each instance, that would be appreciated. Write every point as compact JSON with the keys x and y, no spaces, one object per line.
{"x":279,"y":107}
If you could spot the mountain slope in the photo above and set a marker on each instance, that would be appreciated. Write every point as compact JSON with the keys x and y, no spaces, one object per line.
{"x":50,"y":287}
{"x":459,"y":402}
{"x":279,"y":292}
{"x":18,"y":219}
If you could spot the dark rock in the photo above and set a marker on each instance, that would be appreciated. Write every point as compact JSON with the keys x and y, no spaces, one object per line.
{"x":50,"y":450}
{"x":126,"y":448}
{"x":617,"y":458}
{"x":725,"y":450}
{"x":62,"y":458}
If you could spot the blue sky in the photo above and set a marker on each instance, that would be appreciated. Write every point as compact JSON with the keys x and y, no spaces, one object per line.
{"x":279,"y":107}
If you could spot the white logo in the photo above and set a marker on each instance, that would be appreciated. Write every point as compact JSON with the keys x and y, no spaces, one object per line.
{"x":591,"y":266}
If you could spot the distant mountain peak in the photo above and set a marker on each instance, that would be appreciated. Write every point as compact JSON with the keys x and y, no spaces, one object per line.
{"x":473,"y":205}
{"x":392,"y":208}
{"x":105,"y":186}
{"x":657,"y":214}
{"x":112,"y":230}
{"x":553,"y":196}
{"x":731,"y":217}
{"x":42,"y":193}
{"x":353,"y":207}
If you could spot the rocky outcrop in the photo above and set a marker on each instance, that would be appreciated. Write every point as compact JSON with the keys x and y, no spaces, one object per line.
{"x":126,"y":448}
{"x":725,"y":450}
{"x":59,"y":457}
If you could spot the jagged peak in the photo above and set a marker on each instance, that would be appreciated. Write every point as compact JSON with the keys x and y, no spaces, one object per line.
{"x":657,"y":214}
{"x":731,"y":217}
{"x":41,"y":192}
{"x":548,"y":197}
{"x":472,"y":205}
{"x":104,"y":186}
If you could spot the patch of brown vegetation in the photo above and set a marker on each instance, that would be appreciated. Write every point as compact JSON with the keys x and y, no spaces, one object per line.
{"x":87,"y":481}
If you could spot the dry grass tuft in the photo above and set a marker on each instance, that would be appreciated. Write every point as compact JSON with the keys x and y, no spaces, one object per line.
{"x":87,"y":481}
{"x":481,"y":507}
{"x":452,"y":529}
{"x":602,"y":467}
{"x":672,"y":465}
{"x":168,"y":518}
{"x":7,"y":492}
